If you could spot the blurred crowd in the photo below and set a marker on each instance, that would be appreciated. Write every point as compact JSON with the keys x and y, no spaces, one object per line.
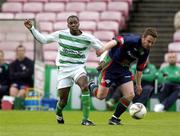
{"x":15,"y":78}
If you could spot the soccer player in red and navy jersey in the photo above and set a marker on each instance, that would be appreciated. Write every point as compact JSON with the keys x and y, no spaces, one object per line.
{"x":124,"y":50}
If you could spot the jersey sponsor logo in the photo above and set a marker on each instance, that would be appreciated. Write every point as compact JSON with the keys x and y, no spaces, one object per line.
{"x":131,"y":55}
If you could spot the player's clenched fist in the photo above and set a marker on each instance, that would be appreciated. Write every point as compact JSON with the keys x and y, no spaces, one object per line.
{"x":28,"y":23}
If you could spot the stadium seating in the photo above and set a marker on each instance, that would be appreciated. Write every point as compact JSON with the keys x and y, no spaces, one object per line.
{"x":34,"y":7}
{"x":104,"y":35}
{"x":96,"y":6}
{"x":29,"y":45}
{"x":102,"y":18}
{"x":63,"y":15}
{"x":50,"y":55}
{"x":58,"y":0}
{"x":6,"y":15}
{"x":122,"y":7}
{"x":46,"y":17}
{"x":60,"y":25}
{"x":8,"y":45}
{"x":12,"y":7}
{"x":108,"y":26}
{"x":46,"y":26}
{"x":9,"y":56}
{"x":89,"y":16}
{"x":24,"y":16}
{"x":88,"y":25}
{"x":54,"y":7}
{"x":174,"y":47}
{"x":92,"y":57}
{"x":16,"y":37}
{"x":38,"y":0}
{"x":176,"y":36}
{"x":2,"y":36}
{"x":113,"y":16}
{"x":50,"y":47}
{"x":75,"y":6}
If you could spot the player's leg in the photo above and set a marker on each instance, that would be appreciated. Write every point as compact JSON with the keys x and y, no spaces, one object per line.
{"x":63,"y":86}
{"x":63,"y":94}
{"x":127,"y":89}
{"x":85,"y":99}
{"x":100,"y":91}
{"x":82,"y":81}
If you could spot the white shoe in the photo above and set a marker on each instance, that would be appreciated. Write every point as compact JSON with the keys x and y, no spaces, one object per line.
{"x":159,"y":108}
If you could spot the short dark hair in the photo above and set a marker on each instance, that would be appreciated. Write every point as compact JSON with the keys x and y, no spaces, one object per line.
{"x":20,"y":46}
{"x":150,"y":31}
{"x":72,"y":16}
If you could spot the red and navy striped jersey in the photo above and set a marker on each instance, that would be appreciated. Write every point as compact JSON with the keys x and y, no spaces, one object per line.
{"x":129,"y":49}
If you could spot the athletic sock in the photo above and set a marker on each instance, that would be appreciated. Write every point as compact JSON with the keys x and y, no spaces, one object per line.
{"x":59,"y":108}
{"x":85,"y":99}
{"x":121,"y":107}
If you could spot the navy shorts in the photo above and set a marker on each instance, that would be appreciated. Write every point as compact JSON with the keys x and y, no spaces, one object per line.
{"x":114,"y":72}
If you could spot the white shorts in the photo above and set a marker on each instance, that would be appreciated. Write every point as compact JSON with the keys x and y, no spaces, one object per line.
{"x":67,"y":78}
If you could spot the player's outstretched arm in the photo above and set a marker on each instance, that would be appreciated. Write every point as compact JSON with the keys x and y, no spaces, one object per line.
{"x":106,"y":47}
{"x":37,"y":35}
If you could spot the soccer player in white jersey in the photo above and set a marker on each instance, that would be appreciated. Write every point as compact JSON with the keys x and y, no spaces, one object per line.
{"x":71,"y":57}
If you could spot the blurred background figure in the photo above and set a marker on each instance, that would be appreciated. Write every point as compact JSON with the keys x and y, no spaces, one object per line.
{"x":169,"y":78}
{"x":21,"y":73}
{"x":4,"y":77}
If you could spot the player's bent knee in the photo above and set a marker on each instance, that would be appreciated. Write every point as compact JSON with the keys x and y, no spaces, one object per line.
{"x":100,"y":96}
{"x":130,"y":96}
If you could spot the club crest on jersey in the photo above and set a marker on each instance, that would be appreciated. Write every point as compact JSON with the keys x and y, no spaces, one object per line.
{"x":107,"y":81}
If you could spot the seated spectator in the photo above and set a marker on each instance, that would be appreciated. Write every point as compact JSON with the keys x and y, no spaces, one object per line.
{"x":4,"y":77}
{"x":169,"y":78}
{"x":21,"y":73}
{"x":148,"y":78}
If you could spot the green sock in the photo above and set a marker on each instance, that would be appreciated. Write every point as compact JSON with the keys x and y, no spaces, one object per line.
{"x":59,"y":108}
{"x":85,"y":99}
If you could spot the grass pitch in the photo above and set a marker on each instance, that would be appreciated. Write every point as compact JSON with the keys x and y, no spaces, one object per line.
{"x":41,"y":123}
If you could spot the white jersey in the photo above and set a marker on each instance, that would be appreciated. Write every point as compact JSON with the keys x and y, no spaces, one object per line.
{"x":72,"y":50}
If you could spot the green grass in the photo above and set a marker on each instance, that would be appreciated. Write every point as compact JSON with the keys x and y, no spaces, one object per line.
{"x":33,"y":123}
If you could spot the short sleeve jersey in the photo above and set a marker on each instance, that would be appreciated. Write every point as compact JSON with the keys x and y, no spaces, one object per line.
{"x":129,"y":49}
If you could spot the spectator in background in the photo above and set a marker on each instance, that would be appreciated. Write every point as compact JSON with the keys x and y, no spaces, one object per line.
{"x":169,"y":78}
{"x":21,"y":73}
{"x":4,"y":76}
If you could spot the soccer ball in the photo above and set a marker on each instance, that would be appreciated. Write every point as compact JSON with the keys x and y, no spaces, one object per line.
{"x":137,"y":110}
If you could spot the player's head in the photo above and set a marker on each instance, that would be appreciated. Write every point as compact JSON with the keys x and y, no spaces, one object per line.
{"x":1,"y":56}
{"x":172,"y":58}
{"x":73,"y":24}
{"x":20,"y":52}
{"x":149,"y":37}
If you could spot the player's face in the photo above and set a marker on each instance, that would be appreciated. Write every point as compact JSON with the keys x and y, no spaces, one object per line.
{"x":20,"y":53}
{"x":172,"y":58}
{"x":148,"y":41}
{"x":73,"y":24}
